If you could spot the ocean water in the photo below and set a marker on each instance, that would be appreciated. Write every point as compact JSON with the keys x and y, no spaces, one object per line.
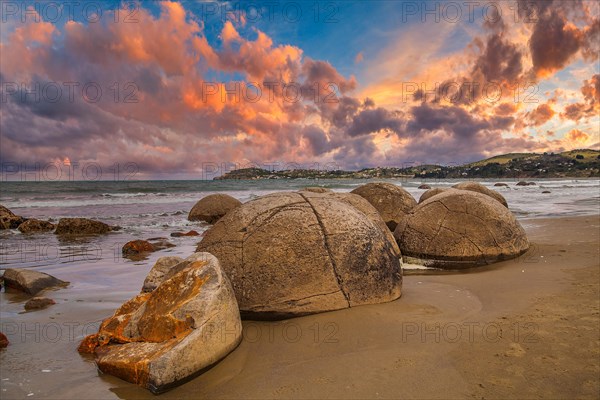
{"x":147,"y":209}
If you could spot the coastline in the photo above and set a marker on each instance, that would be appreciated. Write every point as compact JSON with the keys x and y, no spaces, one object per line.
{"x":524,"y":328}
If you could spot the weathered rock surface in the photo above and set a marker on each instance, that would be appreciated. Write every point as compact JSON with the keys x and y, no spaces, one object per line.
{"x":460,"y":229}
{"x":479,"y":188}
{"x":290,"y":254}
{"x":136,"y":247}
{"x":36,"y":225}
{"x":391,"y":201}
{"x":158,"y":271}
{"x":161,"y":339}
{"x":80,"y":226}
{"x":213,"y":207}
{"x":37,"y":303}
{"x":29,"y":281}
{"x":3,"y":341}
{"x":8,"y":219}
{"x":189,"y":233}
{"x":316,"y":189}
{"x":432,"y":192}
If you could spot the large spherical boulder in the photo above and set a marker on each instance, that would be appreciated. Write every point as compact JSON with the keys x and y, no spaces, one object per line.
{"x":432,"y":192}
{"x":392,"y":202}
{"x":460,"y":229}
{"x":479,"y":188}
{"x":213,"y":207}
{"x":290,"y":254}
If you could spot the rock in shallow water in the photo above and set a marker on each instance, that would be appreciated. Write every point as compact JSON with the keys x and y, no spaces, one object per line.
{"x":37,"y":303}
{"x":8,"y":220}
{"x":213,"y":207}
{"x":163,"y":338}
{"x":80,"y":226}
{"x":3,"y":341}
{"x":36,"y":225}
{"x":29,"y":281}
{"x":290,"y":254}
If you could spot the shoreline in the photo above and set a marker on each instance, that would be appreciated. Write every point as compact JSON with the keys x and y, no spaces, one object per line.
{"x":526,"y":328}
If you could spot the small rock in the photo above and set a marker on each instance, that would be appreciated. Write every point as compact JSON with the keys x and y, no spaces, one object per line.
{"x":425,"y":187}
{"x":80,"y":226}
{"x":3,"y":341}
{"x":316,"y":189}
{"x":190,"y":233}
{"x":546,"y":191}
{"x":8,"y":220}
{"x":30,"y":282}
{"x":135,"y":247}
{"x":162,"y":244}
{"x":500,"y":184}
{"x":523,"y":183}
{"x":37,"y":303}
{"x":36,"y":225}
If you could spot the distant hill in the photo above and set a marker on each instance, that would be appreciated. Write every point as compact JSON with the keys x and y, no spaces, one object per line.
{"x":580,"y":163}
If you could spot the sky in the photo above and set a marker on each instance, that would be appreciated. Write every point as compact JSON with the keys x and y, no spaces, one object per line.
{"x":174,"y":89}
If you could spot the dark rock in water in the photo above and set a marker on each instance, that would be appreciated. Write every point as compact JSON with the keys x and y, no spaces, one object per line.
{"x":161,"y":339}
{"x":316,"y":189}
{"x":213,"y":207}
{"x":135,"y":247}
{"x":81,"y":226}
{"x":3,"y":341}
{"x":8,"y":220}
{"x":116,"y":228}
{"x":156,"y":275}
{"x":546,"y":191}
{"x":30,"y":282}
{"x":460,"y":229}
{"x":190,"y":233}
{"x":424,"y":186}
{"x":392,"y":202}
{"x":479,"y":188}
{"x":37,"y":303}
{"x":500,"y":184}
{"x":290,"y":254}
{"x":161,"y":244}
{"x":36,"y":225}
{"x":432,"y":192}
{"x":523,"y":183}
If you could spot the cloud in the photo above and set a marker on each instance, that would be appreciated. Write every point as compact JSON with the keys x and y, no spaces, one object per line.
{"x":540,"y":115}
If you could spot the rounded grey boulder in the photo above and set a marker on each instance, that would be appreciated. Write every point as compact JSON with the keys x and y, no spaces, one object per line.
{"x":460,"y":229}
{"x":391,"y":201}
{"x":479,"y":188}
{"x":213,"y":207}
{"x":291,"y":254}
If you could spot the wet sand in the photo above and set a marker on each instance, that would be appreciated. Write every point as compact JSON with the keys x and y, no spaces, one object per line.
{"x":525,"y":328}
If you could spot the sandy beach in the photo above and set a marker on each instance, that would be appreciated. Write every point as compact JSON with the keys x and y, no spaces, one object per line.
{"x":525,"y":328}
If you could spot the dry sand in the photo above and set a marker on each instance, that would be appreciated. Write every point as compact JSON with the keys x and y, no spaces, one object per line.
{"x":525,"y":328}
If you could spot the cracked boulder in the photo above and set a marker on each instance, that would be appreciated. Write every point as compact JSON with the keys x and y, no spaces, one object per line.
{"x":391,"y":201}
{"x":432,"y":192}
{"x":290,"y":254}
{"x":213,"y":207}
{"x":460,"y":229}
{"x":164,"y":338}
{"x":479,"y":188}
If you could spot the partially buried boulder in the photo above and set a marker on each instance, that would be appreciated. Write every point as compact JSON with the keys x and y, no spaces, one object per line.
{"x":479,"y":188}
{"x":30,"y":282}
{"x":161,"y":339}
{"x":36,"y":225}
{"x":213,"y":207}
{"x":460,"y":229}
{"x":290,"y":254}
{"x":432,"y":192}
{"x":392,"y":202}
{"x":80,"y":226}
{"x":8,"y":219}
{"x":38,"y":303}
